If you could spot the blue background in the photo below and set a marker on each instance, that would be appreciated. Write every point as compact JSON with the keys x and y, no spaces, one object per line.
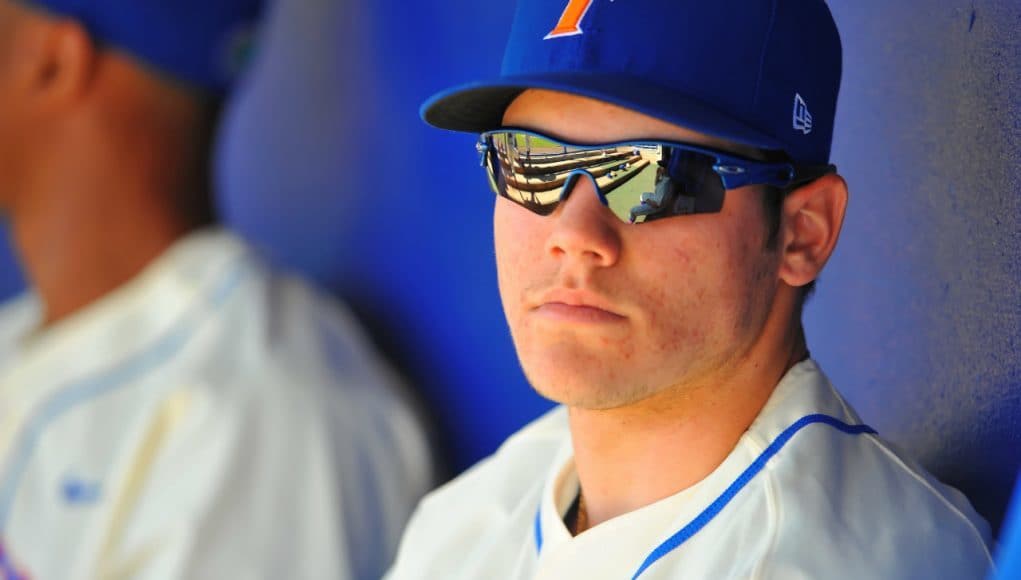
{"x":325,"y":164}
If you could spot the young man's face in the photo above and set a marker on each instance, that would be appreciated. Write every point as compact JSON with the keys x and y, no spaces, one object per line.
{"x":605,"y":314}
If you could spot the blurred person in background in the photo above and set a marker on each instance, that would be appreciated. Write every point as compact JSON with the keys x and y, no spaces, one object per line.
{"x":170,"y":407}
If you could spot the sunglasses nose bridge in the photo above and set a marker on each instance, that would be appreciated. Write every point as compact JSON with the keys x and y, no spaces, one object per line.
{"x":572,"y":181}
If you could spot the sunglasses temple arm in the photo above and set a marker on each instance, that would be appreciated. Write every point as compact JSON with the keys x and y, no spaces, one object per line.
{"x":782,"y":175}
{"x":775,"y":174}
{"x":806,"y":173}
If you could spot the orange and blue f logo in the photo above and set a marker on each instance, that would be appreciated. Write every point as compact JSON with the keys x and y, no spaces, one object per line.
{"x":570,"y":20}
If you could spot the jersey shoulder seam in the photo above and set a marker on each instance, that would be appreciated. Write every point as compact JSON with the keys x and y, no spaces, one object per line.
{"x":878,"y":442}
{"x":773,"y":508}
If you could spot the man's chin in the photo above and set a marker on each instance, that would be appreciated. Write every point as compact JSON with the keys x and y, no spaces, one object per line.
{"x":588,"y":393}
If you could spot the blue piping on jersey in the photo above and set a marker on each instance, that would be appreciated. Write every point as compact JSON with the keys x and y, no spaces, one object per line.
{"x":538,"y":530}
{"x":693,"y":527}
{"x":700,"y":521}
{"x":121,"y":374}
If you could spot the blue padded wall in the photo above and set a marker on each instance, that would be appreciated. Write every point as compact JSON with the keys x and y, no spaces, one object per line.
{"x":918,"y":316}
{"x":11,"y":279}
{"x":341,"y":180}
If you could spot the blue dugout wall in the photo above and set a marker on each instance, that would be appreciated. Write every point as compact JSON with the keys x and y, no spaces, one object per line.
{"x":918,"y":318}
{"x":325,"y":164}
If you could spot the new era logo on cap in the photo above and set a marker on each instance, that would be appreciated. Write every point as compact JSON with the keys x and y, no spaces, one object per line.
{"x":802,"y":118}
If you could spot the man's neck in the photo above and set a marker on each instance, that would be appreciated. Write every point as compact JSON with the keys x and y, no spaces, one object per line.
{"x":84,"y":241}
{"x":628,"y":458}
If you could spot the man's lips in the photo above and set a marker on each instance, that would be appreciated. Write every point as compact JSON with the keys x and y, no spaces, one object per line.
{"x":577,"y":306}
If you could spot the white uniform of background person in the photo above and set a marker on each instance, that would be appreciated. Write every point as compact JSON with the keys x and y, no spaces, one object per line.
{"x":170,"y":408}
{"x":798,"y":516}
{"x":210,"y":419}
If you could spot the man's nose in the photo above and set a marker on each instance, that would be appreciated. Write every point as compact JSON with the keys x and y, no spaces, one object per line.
{"x":583,"y":227}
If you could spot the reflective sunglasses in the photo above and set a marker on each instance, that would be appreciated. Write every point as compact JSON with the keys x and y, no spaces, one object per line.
{"x":639,"y":181}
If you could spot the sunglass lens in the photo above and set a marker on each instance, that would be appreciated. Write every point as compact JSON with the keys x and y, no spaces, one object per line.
{"x":522,"y":168}
{"x":676,"y":182}
{"x":639,"y":182}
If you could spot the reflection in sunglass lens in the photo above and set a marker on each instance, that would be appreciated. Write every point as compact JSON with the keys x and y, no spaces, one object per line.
{"x":638,"y":181}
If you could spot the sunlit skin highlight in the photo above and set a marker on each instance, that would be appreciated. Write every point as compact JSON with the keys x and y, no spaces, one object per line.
{"x":665,"y":339}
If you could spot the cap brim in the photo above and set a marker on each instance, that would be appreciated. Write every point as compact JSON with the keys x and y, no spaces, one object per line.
{"x":478,"y":107}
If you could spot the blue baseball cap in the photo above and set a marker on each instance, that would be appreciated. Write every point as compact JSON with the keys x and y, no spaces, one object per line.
{"x":202,"y":42}
{"x":763,"y":73}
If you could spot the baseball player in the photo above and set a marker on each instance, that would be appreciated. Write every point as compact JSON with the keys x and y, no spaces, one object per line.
{"x":696,"y":437}
{"x":169,"y":406}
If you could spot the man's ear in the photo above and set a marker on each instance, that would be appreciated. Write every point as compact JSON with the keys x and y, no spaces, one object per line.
{"x":64,"y":65}
{"x":812,"y":217}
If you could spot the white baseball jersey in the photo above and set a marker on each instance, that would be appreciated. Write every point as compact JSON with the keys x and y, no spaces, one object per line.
{"x":808,"y":492}
{"x":209,"y":419}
